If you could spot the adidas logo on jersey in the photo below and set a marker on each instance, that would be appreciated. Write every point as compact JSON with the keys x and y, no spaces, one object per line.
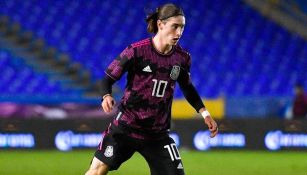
{"x":180,"y":166}
{"x":147,"y":69}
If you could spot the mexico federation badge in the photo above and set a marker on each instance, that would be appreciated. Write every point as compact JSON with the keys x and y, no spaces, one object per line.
{"x":109,"y":151}
{"x":175,"y":72}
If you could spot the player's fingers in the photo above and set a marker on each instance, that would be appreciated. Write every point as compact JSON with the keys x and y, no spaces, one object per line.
{"x":111,"y":104}
{"x":208,"y":122}
{"x":214,"y":130}
{"x":214,"y":133}
{"x":108,"y":104}
{"x":105,"y":106}
{"x":213,"y":125}
{"x":102,"y":105}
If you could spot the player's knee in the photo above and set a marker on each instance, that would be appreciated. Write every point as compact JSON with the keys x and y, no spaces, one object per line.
{"x":97,"y":168}
{"x":96,"y":172}
{"x":90,"y":172}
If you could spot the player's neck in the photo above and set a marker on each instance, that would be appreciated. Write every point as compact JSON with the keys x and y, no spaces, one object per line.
{"x":161,"y":46}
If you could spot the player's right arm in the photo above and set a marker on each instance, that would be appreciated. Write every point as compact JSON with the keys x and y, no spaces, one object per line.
{"x":113,"y":73}
{"x":106,"y":89}
{"x":108,"y":103}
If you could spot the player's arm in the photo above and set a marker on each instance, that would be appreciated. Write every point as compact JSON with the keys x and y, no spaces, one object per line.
{"x":106,"y":90}
{"x":115,"y":70}
{"x":194,"y":99}
{"x":209,"y":121}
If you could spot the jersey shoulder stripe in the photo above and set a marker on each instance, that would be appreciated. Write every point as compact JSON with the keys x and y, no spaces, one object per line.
{"x":141,"y":43}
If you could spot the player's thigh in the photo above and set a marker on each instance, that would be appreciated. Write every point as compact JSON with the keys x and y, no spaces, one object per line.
{"x":163,"y":157}
{"x":115,"y":149}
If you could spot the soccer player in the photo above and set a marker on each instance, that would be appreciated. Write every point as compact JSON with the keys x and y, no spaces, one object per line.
{"x":300,"y":102}
{"x":154,"y":65}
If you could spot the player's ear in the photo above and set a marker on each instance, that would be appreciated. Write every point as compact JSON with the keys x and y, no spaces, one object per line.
{"x":160,"y":24}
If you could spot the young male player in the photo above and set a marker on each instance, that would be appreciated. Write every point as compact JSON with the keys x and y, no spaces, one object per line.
{"x":154,"y":65}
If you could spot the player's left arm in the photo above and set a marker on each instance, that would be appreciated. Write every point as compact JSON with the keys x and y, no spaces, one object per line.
{"x":209,"y":121}
{"x":192,"y":96}
{"x":194,"y":99}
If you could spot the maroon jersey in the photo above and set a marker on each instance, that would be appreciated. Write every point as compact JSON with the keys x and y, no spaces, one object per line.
{"x":300,"y":106}
{"x":151,"y":80}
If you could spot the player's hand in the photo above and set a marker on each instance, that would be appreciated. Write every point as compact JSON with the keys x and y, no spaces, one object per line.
{"x":108,"y":103}
{"x":212,"y":126}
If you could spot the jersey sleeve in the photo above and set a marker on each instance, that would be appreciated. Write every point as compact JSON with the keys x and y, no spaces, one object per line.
{"x":184,"y":76}
{"x":121,"y":64}
{"x":188,"y":88}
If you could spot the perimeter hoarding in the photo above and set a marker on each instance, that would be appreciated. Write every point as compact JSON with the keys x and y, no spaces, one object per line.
{"x":71,"y":134}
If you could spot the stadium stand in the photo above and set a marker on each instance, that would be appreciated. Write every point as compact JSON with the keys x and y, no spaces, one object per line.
{"x":235,"y":50}
{"x":21,"y":80}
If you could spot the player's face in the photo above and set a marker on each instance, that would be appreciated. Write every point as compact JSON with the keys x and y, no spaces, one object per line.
{"x":172,"y":29}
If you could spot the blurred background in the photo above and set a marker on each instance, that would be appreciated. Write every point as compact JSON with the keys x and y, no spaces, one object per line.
{"x":249,"y":64}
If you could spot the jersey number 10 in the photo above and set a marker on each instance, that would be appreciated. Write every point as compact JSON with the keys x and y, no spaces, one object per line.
{"x":159,"y":88}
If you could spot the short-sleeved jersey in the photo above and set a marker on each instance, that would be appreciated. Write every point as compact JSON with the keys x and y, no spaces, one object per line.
{"x":151,"y":79}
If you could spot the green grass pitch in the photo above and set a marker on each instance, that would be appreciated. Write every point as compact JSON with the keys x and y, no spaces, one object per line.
{"x":195,"y":163}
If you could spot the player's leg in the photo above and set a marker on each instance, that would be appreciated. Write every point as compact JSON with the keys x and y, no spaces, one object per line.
{"x":163,"y":157}
{"x":97,"y":168}
{"x":115,"y":148}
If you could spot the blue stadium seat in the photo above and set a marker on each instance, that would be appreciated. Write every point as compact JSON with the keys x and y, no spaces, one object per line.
{"x":235,"y":50}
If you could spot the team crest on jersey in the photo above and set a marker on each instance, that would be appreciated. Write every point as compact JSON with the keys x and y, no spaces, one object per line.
{"x":109,"y":151}
{"x":175,"y":72}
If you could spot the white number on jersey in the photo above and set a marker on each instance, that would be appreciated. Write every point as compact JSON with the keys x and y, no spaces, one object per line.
{"x":159,"y":88}
{"x":173,"y":151}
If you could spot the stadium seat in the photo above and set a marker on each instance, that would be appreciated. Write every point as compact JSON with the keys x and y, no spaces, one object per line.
{"x":235,"y":50}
